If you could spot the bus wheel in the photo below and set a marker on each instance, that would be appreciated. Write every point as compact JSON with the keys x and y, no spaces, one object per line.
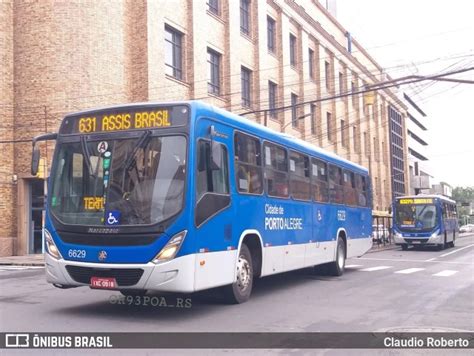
{"x":133,"y":292}
{"x":453,"y":243}
{"x":404,"y":247}
{"x":336,"y":268}
{"x":239,"y":291}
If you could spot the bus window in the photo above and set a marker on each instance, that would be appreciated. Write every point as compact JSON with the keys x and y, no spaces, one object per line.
{"x":319,"y":180}
{"x":349,"y":188}
{"x":336,"y":192}
{"x":248,"y":164}
{"x":212,"y":184}
{"x":276,"y":170}
{"x":211,"y":180}
{"x":361,"y":190}
{"x":299,"y":176}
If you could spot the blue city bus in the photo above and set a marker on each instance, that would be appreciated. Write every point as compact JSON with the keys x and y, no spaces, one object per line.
{"x":184,"y":197}
{"x":425,"y":220}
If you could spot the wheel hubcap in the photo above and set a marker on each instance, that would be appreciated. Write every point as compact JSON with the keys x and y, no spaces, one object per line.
{"x":243,"y":273}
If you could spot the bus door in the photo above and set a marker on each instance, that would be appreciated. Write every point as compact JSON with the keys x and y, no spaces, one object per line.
{"x":213,"y":210}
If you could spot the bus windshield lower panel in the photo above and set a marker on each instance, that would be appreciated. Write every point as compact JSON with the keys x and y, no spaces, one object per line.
{"x":119,"y":182}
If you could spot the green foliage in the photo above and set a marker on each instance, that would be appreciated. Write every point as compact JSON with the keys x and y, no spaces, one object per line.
{"x":463,"y":195}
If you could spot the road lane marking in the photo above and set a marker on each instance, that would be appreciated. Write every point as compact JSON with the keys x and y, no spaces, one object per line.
{"x":378,"y":268}
{"x":409,"y":270}
{"x":419,"y":261}
{"x":445,"y":273}
{"x":450,"y":253}
{"x":353,"y":266}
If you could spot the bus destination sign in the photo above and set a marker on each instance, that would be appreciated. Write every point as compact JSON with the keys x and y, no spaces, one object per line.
{"x":126,"y":119}
{"x":416,"y":201}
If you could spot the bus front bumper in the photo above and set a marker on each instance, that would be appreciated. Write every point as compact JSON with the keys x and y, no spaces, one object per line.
{"x":176,"y":275}
{"x":399,"y":239}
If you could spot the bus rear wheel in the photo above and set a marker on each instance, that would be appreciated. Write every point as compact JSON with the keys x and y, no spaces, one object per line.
{"x":239,"y":291}
{"x":336,"y":268}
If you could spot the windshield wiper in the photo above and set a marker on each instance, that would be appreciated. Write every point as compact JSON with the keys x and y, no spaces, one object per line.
{"x":87,"y":155}
{"x":143,"y":140}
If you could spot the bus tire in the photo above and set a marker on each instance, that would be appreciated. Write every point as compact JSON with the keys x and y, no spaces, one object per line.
{"x":239,"y":291}
{"x":453,"y":243}
{"x":133,"y":292}
{"x":404,"y":247}
{"x":336,"y":268}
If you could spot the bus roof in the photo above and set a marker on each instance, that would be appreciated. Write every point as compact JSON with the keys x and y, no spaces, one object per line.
{"x":244,"y":124}
{"x":434,"y":196}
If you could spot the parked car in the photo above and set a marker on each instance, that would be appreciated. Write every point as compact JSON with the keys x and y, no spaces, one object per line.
{"x":466,"y":228}
{"x":380,"y":234}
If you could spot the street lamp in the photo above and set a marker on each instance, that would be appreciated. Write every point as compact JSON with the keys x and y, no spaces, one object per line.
{"x":295,"y":120}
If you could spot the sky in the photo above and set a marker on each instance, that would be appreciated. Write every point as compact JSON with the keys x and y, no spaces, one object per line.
{"x":426,"y":37}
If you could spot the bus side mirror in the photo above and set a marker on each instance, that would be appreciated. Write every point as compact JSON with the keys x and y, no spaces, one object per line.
{"x":216,"y":156}
{"x":35,"y":159}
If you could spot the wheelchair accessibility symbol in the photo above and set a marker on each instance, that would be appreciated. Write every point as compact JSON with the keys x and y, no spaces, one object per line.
{"x":113,"y":217}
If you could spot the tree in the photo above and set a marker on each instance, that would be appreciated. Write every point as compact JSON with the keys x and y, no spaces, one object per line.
{"x":463,"y":195}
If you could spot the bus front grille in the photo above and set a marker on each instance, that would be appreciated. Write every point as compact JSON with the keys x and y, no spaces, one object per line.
{"x":124,"y":276}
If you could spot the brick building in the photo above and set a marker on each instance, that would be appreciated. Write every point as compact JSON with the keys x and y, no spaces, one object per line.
{"x":249,"y":55}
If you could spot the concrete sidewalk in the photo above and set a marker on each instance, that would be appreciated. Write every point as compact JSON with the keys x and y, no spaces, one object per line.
{"x":27,"y":260}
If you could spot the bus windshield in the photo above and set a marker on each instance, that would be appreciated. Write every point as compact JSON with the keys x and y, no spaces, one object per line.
{"x":137,"y":181}
{"x":420,"y":217}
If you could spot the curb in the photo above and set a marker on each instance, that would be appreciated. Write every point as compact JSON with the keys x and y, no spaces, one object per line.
{"x":383,"y":248}
{"x":21,"y":263}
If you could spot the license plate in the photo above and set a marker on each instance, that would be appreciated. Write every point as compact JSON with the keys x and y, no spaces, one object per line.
{"x":103,"y":283}
{"x":416,"y":242}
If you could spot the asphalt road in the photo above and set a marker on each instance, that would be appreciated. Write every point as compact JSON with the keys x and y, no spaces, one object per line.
{"x":387,"y":290}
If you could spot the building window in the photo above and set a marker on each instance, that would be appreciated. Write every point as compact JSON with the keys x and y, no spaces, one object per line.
{"x":329,"y":126}
{"x":272,"y":90}
{"x":310,"y":63}
{"x":355,"y":138}
{"x":173,"y":52}
{"x":354,"y":96}
{"x":213,"y":6}
{"x":245,"y":16}
{"x":343,"y":132}
{"x":214,"y":61}
{"x":292,"y":50}
{"x":327,"y":74}
{"x":366,"y":144}
{"x":313,"y":118}
{"x":341,"y":83}
{"x":246,"y":83}
{"x":294,"y":111}
{"x":271,"y":31}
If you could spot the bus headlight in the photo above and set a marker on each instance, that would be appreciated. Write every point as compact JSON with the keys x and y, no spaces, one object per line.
{"x":171,"y":248}
{"x":398,"y":235}
{"x":51,"y":246}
